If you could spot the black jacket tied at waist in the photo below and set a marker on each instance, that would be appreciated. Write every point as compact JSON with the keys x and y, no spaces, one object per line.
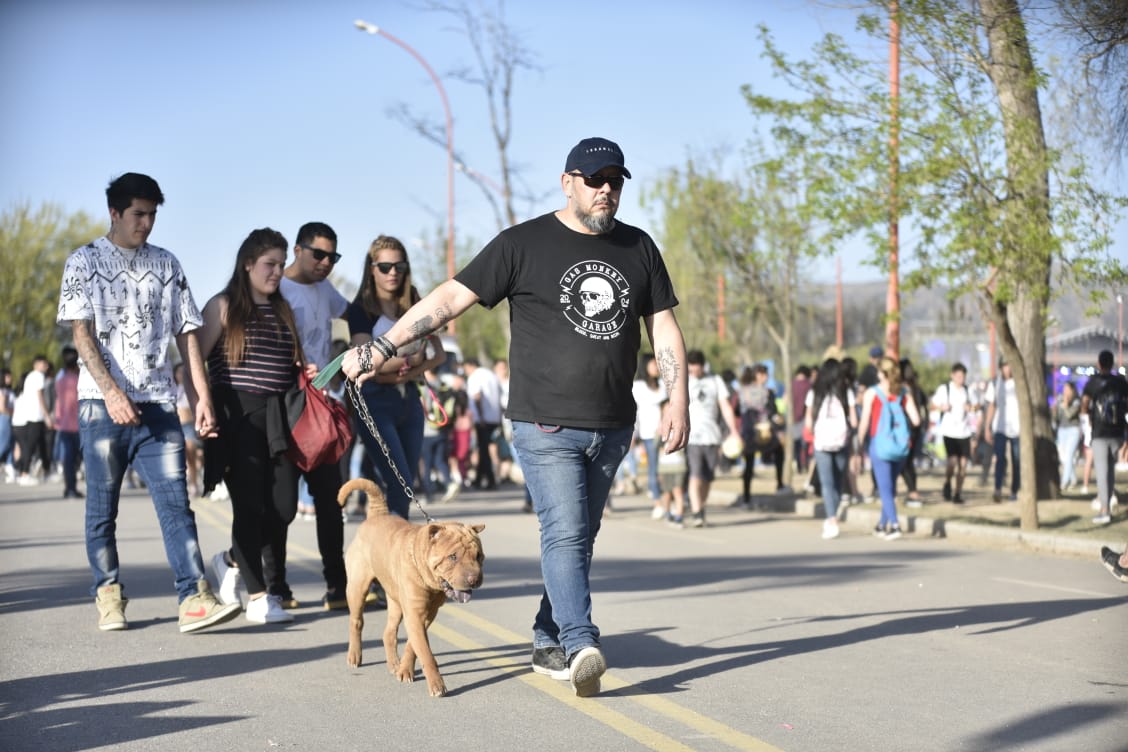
{"x":231,"y":407}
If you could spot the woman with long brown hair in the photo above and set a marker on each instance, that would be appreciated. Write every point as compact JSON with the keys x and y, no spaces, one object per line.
{"x":876,"y":400}
{"x":392,"y":396}
{"x":253,"y":352}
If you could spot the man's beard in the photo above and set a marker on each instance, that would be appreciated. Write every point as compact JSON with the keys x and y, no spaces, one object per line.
{"x":598,"y":223}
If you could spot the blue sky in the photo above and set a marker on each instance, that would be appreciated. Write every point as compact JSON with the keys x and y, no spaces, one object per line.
{"x":255,"y":113}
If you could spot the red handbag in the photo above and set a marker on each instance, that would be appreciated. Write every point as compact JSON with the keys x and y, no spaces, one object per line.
{"x":320,"y":429}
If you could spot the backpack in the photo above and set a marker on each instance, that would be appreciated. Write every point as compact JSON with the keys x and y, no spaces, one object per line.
{"x":891,"y":442}
{"x":1110,"y":405}
{"x":831,"y":428}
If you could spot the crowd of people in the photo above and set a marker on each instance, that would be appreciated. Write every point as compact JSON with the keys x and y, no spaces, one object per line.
{"x":836,"y":415}
{"x":210,"y":413}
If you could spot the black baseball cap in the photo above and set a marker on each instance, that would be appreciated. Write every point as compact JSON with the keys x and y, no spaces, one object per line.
{"x":593,"y":154}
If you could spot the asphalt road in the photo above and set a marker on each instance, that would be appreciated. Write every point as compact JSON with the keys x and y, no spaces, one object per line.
{"x":751,"y":634}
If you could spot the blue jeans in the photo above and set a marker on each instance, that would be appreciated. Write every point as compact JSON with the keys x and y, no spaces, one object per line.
{"x":1068,"y":439}
{"x":436,"y":450}
{"x":1001,"y":441}
{"x":399,"y":419}
{"x":155,"y":448}
{"x":831,"y":467}
{"x":568,"y":473}
{"x":885,"y":473}
{"x":651,"y":446}
{"x":67,"y":443}
{"x":5,"y":438}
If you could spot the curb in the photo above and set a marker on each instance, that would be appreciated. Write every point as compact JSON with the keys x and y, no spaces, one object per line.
{"x":994,"y":536}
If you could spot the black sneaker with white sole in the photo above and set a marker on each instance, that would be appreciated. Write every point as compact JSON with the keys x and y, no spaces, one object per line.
{"x":1111,"y":561}
{"x":551,"y":662}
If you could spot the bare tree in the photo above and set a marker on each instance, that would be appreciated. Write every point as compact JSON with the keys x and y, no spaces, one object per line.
{"x":1100,"y":28}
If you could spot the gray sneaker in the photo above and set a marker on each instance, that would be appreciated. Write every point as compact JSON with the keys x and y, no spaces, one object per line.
{"x":588,"y":666}
{"x":111,"y":608}
{"x":204,"y":610}
{"x":551,"y":662}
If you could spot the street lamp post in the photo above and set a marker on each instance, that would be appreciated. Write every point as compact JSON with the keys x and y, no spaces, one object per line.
{"x":1120,"y":329}
{"x":370,"y":28}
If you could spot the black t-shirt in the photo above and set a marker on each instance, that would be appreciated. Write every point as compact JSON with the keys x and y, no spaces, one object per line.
{"x":1094,"y":390}
{"x":575,"y":304}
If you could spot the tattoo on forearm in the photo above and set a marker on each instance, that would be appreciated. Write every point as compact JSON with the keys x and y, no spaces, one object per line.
{"x":668,"y":367}
{"x":428,"y":324}
{"x":85,"y":341}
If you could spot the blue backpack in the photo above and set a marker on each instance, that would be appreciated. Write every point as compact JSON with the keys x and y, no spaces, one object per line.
{"x":891,"y":442}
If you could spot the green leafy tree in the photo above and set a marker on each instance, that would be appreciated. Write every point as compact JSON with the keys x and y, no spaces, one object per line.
{"x":998,"y":213}
{"x":34,"y":245}
{"x":755,"y":230}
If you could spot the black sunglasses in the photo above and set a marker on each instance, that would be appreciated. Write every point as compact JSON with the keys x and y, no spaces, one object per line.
{"x":597,"y":181}
{"x":321,"y":255}
{"x":386,"y":267}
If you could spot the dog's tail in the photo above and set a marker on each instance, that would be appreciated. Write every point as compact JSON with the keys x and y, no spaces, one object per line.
{"x":377,"y":504}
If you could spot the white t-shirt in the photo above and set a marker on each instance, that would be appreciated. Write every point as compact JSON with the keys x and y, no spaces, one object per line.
{"x":139,"y":302}
{"x":705,"y":425}
{"x":1006,"y":409}
{"x":27,"y":408}
{"x":649,"y":403}
{"x":956,"y":423}
{"x":315,"y":306}
{"x":483,"y":384}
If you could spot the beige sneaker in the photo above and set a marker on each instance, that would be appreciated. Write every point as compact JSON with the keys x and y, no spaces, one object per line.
{"x":111,"y":608}
{"x":204,"y":610}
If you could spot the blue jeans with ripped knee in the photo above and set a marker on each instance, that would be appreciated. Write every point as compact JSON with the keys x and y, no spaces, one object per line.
{"x":155,"y":449}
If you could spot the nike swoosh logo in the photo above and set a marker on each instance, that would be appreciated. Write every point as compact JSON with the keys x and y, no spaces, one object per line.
{"x":198,"y":612}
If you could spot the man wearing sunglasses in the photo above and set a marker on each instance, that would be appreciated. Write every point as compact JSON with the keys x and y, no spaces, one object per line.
{"x":579,"y":285}
{"x":316,"y":302}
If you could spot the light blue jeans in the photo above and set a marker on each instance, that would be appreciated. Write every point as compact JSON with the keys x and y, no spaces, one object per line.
{"x":655,"y":488}
{"x":156,"y":450}
{"x":1068,"y":439}
{"x":568,"y":473}
{"x":832,"y":468}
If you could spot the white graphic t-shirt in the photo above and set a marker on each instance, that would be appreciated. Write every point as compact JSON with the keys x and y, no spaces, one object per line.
{"x":315,"y":306}
{"x":705,"y":425}
{"x":139,"y":302}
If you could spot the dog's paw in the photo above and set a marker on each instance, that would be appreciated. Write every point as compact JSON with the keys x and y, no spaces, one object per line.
{"x":404,"y":674}
{"x":437,"y":690}
{"x":354,"y":659}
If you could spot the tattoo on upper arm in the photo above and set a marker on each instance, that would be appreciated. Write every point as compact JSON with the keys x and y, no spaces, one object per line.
{"x":668,"y":367}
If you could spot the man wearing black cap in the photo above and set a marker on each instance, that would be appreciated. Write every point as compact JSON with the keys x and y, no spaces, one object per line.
{"x":578,"y":282}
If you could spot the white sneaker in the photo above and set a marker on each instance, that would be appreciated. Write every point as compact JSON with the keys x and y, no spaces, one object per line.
{"x":657,"y":513}
{"x":9,"y":474}
{"x":229,"y":580}
{"x":27,"y":480}
{"x":268,"y":610}
{"x":453,"y":488}
{"x":830,"y":529}
{"x":1113,"y":503}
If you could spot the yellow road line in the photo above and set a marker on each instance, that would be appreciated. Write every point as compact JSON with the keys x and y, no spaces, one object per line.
{"x":220,"y":518}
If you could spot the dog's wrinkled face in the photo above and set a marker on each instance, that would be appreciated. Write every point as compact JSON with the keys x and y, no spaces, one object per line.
{"x":456,"y":558}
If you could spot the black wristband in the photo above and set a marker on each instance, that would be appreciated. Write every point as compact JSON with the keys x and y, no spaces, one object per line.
{"x":385,"y":347}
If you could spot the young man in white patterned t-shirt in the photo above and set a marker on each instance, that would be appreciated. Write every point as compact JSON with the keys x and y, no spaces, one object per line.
{"x":126,"y":301}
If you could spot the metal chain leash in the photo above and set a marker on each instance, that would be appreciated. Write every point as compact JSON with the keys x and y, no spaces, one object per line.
{"x":357,"y":400}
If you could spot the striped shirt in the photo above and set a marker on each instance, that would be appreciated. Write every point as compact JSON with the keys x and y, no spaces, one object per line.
{"x":268,"y":357}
